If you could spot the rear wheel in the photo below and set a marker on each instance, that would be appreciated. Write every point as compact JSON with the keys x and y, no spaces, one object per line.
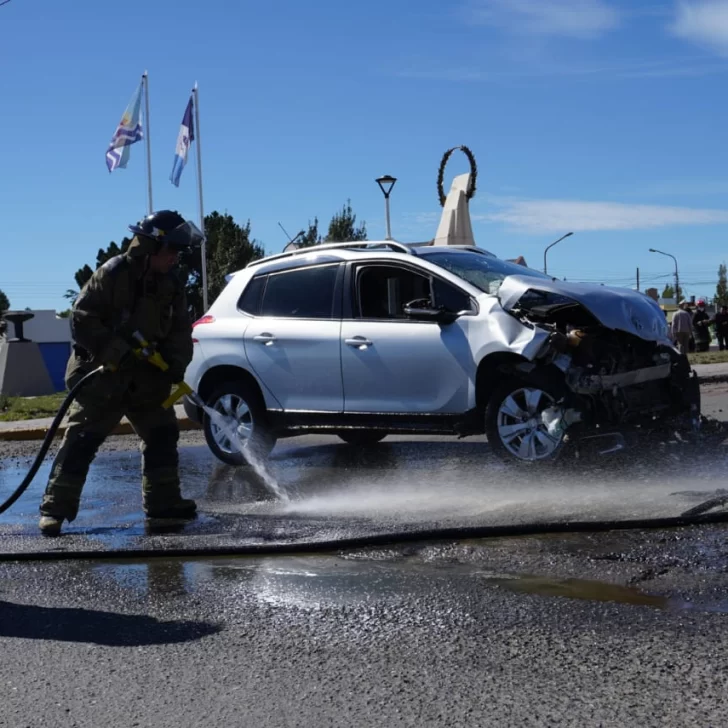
{"x":239,"y":423}
{"x":514,"y":423}
{"x":362,"y":437}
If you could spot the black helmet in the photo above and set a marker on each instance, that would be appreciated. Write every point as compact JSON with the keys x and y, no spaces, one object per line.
{"x":168,"y":227}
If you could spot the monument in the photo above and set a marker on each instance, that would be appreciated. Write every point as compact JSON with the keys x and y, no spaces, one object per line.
{"x":455,"y":227}
{"x":23,"y":372}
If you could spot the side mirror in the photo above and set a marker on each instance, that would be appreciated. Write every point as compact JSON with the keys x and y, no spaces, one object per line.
{"x":421,"y":311}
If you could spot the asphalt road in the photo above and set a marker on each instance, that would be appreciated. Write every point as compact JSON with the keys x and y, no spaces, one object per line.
{"x":613,"y":629}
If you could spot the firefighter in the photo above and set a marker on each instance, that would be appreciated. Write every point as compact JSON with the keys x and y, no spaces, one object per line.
{"x":701,"y":323}
{"x":721,"y":327}
{"x":136,"y":292}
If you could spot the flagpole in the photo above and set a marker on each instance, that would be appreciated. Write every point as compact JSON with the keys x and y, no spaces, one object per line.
{"x":147,"y":139}
{"x":196,"y":93}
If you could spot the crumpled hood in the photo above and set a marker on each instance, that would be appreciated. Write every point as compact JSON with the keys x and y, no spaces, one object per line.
{"x":616,"y":308}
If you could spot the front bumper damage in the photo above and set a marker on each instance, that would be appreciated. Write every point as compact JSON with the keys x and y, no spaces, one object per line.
{"x":574,"y":418}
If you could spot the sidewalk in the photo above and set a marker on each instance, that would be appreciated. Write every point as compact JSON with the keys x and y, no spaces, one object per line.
{"x":36,"y":429}
{"x":711,"y":373}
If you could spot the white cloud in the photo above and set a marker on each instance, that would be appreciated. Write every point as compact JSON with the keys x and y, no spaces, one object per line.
{"x":564,"y":215}
{"x":572,"y":18}
{"x":704,"y":22}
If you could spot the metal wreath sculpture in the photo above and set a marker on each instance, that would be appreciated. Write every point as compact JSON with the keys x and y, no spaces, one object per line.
{"x":473,"y":173}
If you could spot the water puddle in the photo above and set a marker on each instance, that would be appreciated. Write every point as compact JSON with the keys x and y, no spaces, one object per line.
{"x":315,"y":582}
{"x":594,"y":591}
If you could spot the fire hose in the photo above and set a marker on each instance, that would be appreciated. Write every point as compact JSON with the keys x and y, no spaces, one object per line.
{"x":143,"y":352}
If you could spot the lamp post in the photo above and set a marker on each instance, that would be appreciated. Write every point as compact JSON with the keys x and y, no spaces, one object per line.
{"x":677,"y":279}
{"x":385,"y":184}
{"x":551,"y":246}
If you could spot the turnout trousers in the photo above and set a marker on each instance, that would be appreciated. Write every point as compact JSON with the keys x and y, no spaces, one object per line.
{"x":97,"y":410}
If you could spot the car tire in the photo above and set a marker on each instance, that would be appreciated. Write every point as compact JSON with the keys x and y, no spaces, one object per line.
{"x":513,"y":426}
{"x":240,"y":403}
{"x":362,"y":438}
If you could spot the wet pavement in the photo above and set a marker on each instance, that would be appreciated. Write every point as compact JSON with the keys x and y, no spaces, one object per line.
{"x":338,"y":491}
{"x":613,"y":629}
{"x":622,"y":630}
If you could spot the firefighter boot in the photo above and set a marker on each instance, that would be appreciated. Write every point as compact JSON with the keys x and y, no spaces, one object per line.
{"x":164,"y":500}
{"x":50,"y":525}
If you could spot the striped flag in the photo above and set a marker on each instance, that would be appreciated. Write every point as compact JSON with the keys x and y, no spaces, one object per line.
{"x":184,"y":140}
{"x":127,"y":133}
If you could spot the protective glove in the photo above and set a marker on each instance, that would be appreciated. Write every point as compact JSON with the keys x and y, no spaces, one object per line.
{"x":176,"y":373}
{"x":115,"y":354}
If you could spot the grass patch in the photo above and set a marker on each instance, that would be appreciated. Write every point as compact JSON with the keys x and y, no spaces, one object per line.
{"x":708,"y":357}
{"x":14,"y":409}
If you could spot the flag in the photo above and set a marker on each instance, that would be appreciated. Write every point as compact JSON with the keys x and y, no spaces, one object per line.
{"x":127,"y":133}
{"x":184,"y":139}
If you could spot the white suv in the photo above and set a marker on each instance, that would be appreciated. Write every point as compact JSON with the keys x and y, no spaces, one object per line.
{"x":361,"y":340}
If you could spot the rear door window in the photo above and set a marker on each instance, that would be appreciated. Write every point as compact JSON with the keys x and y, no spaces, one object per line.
{"x":301,"y":293}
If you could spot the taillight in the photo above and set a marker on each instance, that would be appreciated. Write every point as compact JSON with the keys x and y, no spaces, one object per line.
{"x":204,"y":320}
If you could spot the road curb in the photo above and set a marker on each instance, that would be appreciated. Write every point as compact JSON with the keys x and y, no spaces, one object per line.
{"x":714,"y":379}
{"x":38,"y":433}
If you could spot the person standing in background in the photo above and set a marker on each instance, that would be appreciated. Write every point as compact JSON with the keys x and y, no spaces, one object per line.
{"x":682,"y":327}
{"x":721,"y":327}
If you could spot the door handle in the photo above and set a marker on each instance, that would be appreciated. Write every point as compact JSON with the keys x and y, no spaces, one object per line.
{"x":265,"y":338}
{"x":358,"y":341}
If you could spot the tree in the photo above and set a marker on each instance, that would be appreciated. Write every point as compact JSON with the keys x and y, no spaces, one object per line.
{"x":229,"y":248}
{"x":721,"y":290}
{"x":307,"y":238}
{"x":669,"y":292}
{"x":342,"y":227}
{"x":4,"y":306}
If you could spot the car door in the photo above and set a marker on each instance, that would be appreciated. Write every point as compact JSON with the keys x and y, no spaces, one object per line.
{"x":293,"y":342}
{"x":393,"y":364}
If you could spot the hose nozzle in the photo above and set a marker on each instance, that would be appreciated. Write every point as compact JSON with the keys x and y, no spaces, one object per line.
{"x":147,"y":352}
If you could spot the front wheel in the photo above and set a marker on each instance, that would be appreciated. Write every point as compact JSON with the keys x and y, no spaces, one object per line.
{"x":515,"y":426}
{"x":235,"y":424}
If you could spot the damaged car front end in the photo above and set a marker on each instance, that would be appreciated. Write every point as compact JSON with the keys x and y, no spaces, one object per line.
{"x":608,"y":366}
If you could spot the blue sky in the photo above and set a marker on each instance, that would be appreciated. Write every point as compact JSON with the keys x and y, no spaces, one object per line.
{"x":603,"y":117}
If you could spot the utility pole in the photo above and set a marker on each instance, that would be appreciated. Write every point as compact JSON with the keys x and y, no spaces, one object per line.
{"x":638,"y":279}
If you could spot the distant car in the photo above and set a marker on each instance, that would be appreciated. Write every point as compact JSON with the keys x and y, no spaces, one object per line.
{"x":362,"y":340}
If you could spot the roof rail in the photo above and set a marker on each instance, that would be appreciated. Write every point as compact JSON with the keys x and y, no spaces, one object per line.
{"x":422,"y":244}
{"x":362,"y":244}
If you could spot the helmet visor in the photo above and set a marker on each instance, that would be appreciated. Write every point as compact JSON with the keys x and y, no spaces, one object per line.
{"x":184,"y":237}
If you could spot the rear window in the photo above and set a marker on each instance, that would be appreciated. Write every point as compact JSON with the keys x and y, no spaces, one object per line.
{"x":249,"y":301}
{"x":301,"y":293}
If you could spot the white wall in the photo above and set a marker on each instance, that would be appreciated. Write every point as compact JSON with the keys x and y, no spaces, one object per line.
{"x":44,"y":327}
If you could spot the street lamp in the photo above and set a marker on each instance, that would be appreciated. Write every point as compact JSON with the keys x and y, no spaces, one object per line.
{"x":385,"y":184}
{"x":551,"y":246}
{"x":677,"y":279}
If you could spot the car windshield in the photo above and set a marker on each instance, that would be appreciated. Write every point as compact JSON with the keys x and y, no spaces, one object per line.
{"x":479,"y":270}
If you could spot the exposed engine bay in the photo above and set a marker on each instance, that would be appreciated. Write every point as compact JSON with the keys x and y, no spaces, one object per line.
{"x":611,"y":376}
